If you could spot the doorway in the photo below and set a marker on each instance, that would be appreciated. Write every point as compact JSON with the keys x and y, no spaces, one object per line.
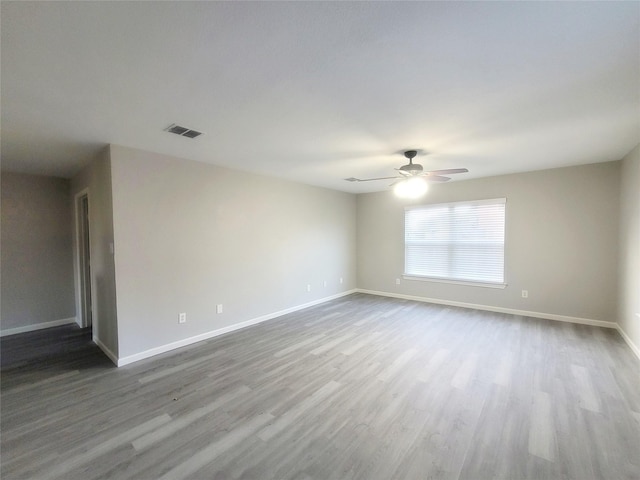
{"x":84,"y":260}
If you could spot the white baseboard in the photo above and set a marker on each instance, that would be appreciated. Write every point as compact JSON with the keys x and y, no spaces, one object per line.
{"x":626,"y":338}
{"x":221,"y":331}
{"x":37,"y":326}
{"x":489,"y":308}
{"x":112,"y":356}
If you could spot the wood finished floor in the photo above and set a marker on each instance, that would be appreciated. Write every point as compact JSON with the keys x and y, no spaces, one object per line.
{"x":362,"y":387}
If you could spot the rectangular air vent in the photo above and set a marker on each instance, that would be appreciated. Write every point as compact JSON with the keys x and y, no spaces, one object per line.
{"x":191,"y":134}
{"x":182,"y":131}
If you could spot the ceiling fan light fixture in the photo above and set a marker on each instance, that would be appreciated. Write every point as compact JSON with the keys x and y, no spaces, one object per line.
{"x":413,"y":187}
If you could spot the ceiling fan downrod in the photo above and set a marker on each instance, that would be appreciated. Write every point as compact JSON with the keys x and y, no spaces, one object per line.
{"x":410,"y":167}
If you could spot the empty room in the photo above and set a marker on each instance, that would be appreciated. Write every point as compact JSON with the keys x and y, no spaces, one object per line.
{"x":320,"y":240}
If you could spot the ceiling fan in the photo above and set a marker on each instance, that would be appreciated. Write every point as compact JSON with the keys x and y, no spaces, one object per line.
{"x":414,"y":170}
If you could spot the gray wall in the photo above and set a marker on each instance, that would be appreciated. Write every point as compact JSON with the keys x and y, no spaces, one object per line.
{"x":190,"y":235}
{"x":629,"y":313}
{"x":96,"y":177}
{"x":35,"y":250}
{"x":561,"y":242}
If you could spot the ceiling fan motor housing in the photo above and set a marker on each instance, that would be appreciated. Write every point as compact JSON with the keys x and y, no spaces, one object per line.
{"x":411,"y":168}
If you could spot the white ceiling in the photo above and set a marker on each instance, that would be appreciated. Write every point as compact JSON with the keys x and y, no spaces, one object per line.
{"x":317,"y":92}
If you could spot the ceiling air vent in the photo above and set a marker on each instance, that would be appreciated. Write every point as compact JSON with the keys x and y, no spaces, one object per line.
{"x":182,"y":131}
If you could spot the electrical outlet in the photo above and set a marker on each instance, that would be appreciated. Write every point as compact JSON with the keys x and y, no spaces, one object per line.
{"x":525,"y":293}
{"x":325,"y":283}
{"x":219,"y":308}
{"x":340,"y":280}
{"x":309,"y":288}
{"x":182,"y":318}
{"x":397,"y":281}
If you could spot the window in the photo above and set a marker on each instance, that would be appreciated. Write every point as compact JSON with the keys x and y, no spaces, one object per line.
{"x":458,"y":242}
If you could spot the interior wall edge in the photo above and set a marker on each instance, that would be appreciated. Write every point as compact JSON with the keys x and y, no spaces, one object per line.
{"x":634,"y":348}
{"x":490,"y":308}
{"x":112,"y":356}
{"x":37,"y":326}
{"x":120,"y":362}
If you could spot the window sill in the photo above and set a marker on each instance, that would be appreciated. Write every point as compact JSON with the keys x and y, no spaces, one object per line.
{"x":455,"y":282}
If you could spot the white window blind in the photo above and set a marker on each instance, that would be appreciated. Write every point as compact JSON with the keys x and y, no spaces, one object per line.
{"x":462,"y":241}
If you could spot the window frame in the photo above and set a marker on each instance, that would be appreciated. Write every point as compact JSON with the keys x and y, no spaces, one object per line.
{"x":453,"y":280}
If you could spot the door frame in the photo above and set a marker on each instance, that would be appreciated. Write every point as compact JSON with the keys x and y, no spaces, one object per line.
{"x":82,"y":320}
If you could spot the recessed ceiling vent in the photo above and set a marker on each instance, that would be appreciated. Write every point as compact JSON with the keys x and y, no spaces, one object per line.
{"x":182,"y":131}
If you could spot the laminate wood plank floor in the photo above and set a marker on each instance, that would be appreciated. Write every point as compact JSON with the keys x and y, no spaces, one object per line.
{"x":362,"y":387}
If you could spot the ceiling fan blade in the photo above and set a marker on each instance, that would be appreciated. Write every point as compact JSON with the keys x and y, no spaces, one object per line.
{"x":353,"y":179}
{"x":436,"y":178}
{"x":447,"y":171}
{"x":402,"y":172}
